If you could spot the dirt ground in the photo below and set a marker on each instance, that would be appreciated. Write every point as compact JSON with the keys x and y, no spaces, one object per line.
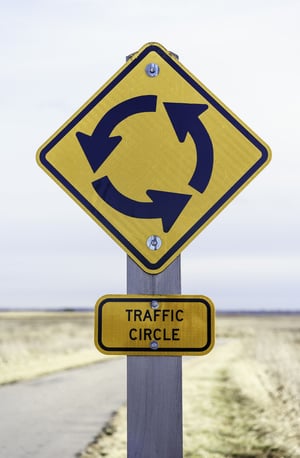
{"x":240,"y":401}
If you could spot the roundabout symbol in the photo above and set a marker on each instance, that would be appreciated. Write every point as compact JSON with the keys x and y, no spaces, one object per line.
{"x":208,"y":156}
{"x":165,"y":205}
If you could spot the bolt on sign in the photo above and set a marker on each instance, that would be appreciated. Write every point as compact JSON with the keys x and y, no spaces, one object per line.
{"x":153,"y":157}
{"x":171,"y":325}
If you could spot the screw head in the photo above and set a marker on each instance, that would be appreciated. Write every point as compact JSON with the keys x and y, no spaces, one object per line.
{"x":154,"y":304}
{"x":154,"y":345}
{"x":154,"y":242}
{"x":152,"y":70}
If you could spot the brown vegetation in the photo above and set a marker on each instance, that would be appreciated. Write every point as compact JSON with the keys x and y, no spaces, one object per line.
{"x":37,"y":343}
{"x":240,"y":401}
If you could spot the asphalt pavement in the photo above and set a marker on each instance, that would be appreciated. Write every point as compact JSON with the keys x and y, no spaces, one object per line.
{"x":58,"y":415}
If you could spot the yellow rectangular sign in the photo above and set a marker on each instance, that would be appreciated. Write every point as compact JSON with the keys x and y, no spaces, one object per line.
{"x":154,"y":325}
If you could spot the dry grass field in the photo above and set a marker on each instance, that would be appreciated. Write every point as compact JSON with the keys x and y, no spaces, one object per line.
{"x":240,"y":401}
{"x":37,"y":343}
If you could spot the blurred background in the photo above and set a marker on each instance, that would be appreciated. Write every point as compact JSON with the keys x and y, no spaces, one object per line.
{"x":55,"y":55}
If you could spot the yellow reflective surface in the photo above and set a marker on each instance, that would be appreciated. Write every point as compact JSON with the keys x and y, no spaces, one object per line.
{"x":150,"y":156}
{"x":179,"y":325}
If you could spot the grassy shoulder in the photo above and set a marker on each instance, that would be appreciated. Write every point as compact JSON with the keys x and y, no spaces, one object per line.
{"x":38,"y":343}
{"x":241,"y":400}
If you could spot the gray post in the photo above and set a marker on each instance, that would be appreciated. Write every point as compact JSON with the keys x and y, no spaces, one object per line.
{"x":154,"y":383}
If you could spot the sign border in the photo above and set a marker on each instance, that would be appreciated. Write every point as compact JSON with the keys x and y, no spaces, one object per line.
{"x":177,"y":247}
{"x":161,"y":351}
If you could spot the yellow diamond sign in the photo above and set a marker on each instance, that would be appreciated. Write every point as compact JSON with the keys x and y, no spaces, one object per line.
{"x":153,"y":157}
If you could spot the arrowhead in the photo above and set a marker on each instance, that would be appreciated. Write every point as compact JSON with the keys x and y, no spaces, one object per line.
{"x":97,"y":151}
{"x":168,"y":205}
{"x":183,"y":116}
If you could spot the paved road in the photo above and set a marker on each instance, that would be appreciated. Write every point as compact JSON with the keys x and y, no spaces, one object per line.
{"x":59,"y":414}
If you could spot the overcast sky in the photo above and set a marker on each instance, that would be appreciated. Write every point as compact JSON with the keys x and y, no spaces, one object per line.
{"x":56,"y":54}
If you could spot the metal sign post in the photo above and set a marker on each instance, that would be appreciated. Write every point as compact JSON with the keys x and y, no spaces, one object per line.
{"x":153,"y":156}
{"x":154,"y":383}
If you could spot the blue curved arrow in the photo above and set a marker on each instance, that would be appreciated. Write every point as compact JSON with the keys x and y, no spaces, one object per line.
{"x":98,"y":146}
{"x":165,"y":205}
{"x":185,"y":119}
